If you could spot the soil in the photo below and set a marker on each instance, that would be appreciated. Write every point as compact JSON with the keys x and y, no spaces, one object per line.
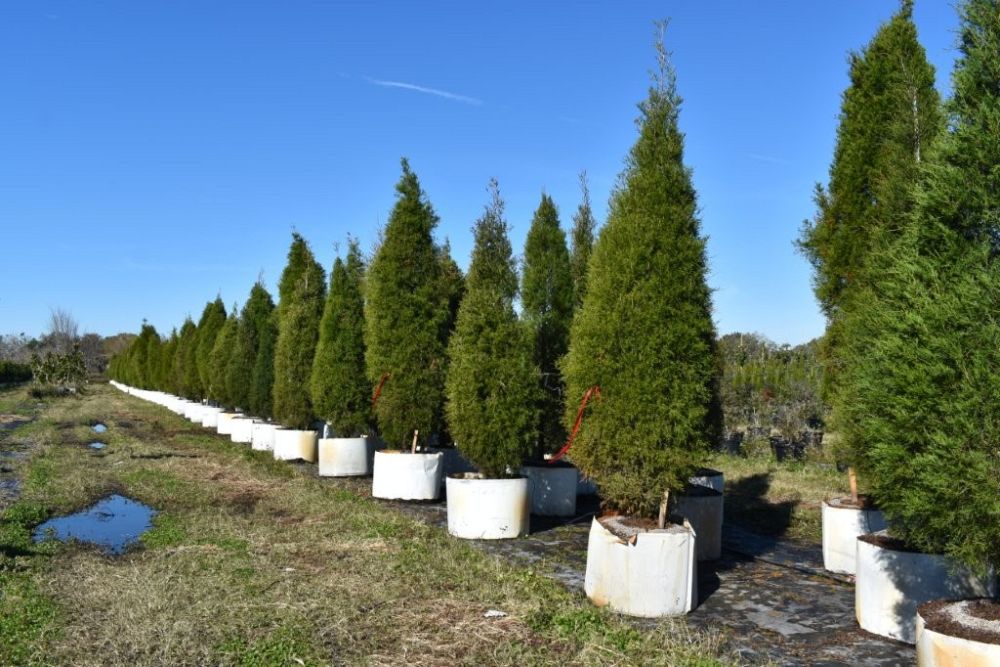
{"x":885,"y":541}
{"x":627,"y":527}
{"x":864,"y":503}
{"x":983,"y":627}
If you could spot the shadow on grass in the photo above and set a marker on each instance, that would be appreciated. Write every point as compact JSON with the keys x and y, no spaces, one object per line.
{"x":747,"y":505}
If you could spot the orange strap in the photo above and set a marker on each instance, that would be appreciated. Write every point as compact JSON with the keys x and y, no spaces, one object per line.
{"x":378,"y":390}
{"x":593,"y":391}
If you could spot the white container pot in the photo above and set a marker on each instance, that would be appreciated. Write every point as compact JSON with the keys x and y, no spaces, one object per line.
{"x":210,"y":417}
{"x":843,"y":523}
{"x":488,"y":509}
{"x":191,"y":409}
{"x":242,"y":430}
{"x":346,"y":457}
{"x":553,"y":488}
{"x":400,"y":475}
{"x":889,"y":585}
{"x":262,"y":436}
{"x":655,"y":576}
{"x":712,"y":479}
{"x":937,"y":648}
{"x":224,"y":422}
{"x":293,"y":445}
{"x":703,"y":508}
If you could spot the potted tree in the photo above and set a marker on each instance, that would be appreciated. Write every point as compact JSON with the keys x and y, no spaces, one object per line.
{"x":407,"y":322}
{"x":645,"y":336}
{"x":302,"y":294}
{"x":923,"y":366}
{"x":262,"y":382}
{"x":547,"y":308}
{"x":340,"y":390}
{"x":492,"y":391}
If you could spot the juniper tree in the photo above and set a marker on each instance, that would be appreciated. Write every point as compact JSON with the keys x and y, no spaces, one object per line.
{"x":890,"y":115}
{"x":213,"y":317}
{"x":262,"y":382}
{"x":547,"y":305}
{"x":644,"y":334}
{"x":143,"y":357}
{"x":184,"y":369}
{"x":407,"y":318}
{"x":341,"y":392}
{"x":492,"y":384}
{"x":253,"y":320}
{"x":303,"y":293}
{"x":220,"y":359}
{"x":582,"y":242}
{"x":924,"y":345}
{"x":164,"y":377}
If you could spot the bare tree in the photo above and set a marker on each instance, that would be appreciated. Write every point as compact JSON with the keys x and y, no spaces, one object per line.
{"x":63,"y":330}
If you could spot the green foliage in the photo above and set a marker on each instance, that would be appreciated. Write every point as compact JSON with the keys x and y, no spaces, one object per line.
{"x":408,"y":318}
{"x":164,"y":369}
{"x":303,"y":294}
{"x":253,"y":323}
{"x":341,"y":392}
{"x":185,"y":371}
{"x":645,"y":332}
{"x":547,"y":306}
{"x":582,"y":243}
{"x":924,"y":345}
{"x":220,"y":359}
{"x":11,"y":371}
{"x":62,"y":372}
{"x":889,"y":117}
{"x":492,"y":383}
{"x":213,"y":318}
{"x":262,"y":382}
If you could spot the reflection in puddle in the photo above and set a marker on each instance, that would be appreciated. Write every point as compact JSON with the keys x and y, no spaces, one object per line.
{"x":114,"y":524}
{"x":97,"y":445}
{"x":99,"y":428}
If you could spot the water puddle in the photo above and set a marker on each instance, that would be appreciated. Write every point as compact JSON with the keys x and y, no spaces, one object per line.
{"x":99,"y":428}
{"x":113,"y":524}
{"x":97,"y":445}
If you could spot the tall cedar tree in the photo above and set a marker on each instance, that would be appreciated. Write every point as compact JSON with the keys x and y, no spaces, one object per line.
{"x":261,"y":399}
{"x":547,"y":306}
{"x":925,"y":344}
{"x":143,"y":357}
{"x":213,"y":317}
{"x":492,"y":384}
{"x":303,"y":292}
{"x":889,"y":117}
{"x":184,"y":371}
{"x":341,"y":392}
{"x":408,"y":319}
{"x":253,"y":320}
{"x":221,"y":358}
{"x":165,"y":377}
{"x":644,"y":334}
{"x":582,"y":242}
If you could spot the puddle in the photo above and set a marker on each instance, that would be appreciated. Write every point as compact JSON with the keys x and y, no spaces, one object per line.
{"x":97,"y":445}
{"x":113,"y":524}
{"x":99,"y":428}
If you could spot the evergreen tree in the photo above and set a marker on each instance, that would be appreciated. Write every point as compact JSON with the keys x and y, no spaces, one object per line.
{"x":221,"y":358}
{"x":547,"y":303}
{"x":213,"y":317}
{"x":583,"y":242}
{"x":407,"y":319}
{"x":889,"y":117}
{"x":165,"y":379}
{"x":924,"y":344}
{"x":492,"y":383}
{"x":253,"y":320}
{"x":303,"y":293}
{"x":262,"y":382}
{"x":341,"y":392}
{"x":143,"y":357}
{"x":184,"y":370}
{"x":644,"y":334}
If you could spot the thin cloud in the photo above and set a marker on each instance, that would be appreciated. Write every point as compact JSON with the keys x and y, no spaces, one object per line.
{"x":455,"y":97}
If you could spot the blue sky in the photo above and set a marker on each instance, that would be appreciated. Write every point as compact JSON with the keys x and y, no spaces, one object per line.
{"x":157,"y":153}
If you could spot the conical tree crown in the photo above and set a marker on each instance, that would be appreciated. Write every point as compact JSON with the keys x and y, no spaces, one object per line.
{"x":547,"y":305}
{"x":213,"y":317}
{"x":644,"y":334}
{"x":341,"y":391}
{"x":262,"y":385}
{"x":492,"y":382}
{"x":184,"y":369}
{"x":407,"y":319}
{"x":582,"y":243}
{"x":253,"y":320}
{"x":165,"y":380}
{"x":221,"y":358}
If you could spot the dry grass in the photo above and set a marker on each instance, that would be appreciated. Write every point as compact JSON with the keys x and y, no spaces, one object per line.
{"x":253,"y":563}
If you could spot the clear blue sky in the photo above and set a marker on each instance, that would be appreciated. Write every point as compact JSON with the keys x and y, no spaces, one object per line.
{"x":156,"y":153}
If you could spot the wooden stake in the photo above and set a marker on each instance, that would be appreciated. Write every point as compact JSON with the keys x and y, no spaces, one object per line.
{"x":661,"y":523}
{"x":853,"y":478}
{"x":413,"y":447}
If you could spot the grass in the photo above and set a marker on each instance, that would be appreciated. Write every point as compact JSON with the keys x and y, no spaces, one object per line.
{"x":253,"y":563}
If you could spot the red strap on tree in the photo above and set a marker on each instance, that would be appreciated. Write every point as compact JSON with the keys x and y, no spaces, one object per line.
{"x":378,"y":390}
{"x":593,"y":391}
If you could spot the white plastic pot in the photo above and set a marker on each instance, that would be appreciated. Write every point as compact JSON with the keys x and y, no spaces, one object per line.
{"x":890,"y":584}
{"x":346,"y":457}
{"x":937,"y":649}
{"x":400,"y":475}
{"x":842,"y":525}
{"x":553,"y":489}
{"x":712,"y":479}
{"x":653,"y":577}
{"x":242,"y":430}
{"x":704,"y":511}
{"x":210,"y":417}
{"x":192,"y":411}
{"x":488,"y":509}
{"x":293,"y":445}
{"x":262,"y":436}
{"x":224,"y":422}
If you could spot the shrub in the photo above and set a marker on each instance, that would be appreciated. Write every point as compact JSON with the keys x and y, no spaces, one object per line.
{"x":253,"y":322}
